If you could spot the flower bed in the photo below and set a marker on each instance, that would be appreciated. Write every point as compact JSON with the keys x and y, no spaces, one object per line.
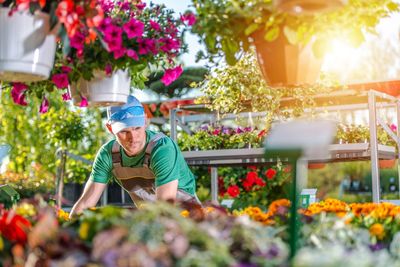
{"x":163,"y":235}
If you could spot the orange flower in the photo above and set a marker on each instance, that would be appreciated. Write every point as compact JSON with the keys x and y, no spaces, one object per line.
{"x":377,"y":230}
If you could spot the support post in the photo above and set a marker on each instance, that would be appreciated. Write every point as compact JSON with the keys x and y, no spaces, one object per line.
{"x":174,"y":123}
{"x":214,"y":185}
{"x":373,"y":147}
{"x":62,"y":155}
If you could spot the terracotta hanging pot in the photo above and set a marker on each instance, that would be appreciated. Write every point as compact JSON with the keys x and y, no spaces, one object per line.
{"x":316,"y":166}
{"x":283,"y":63}
{"x":27,"y":50}
{"x":102,"y":90}
{"x":308,"y":6}
{"x":387,"y":163}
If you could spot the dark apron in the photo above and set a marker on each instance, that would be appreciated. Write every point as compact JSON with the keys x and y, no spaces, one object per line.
{"x":139,"y":182}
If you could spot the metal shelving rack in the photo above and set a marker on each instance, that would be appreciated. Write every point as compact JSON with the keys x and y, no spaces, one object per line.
{"x":343,"y":100}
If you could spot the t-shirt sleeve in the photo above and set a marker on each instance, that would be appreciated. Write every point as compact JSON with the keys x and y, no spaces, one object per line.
{"x":102,"y":167}
{"x":164,"y":162}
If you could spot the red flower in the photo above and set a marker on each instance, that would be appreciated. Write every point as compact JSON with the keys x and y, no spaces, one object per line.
{"x":254,"y":168}
{"x":233,"y":191}
{"x":259,"y":181}
{"x":14,"y":227}
{"x":251,"y":177}
{"x":270,"y":173}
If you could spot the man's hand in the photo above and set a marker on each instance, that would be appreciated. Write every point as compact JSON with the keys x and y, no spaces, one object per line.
{"x":90,"y":196}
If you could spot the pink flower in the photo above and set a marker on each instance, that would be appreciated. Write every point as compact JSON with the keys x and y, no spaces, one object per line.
{"x":171,"y":75}
{"x":84,"y":102}
{"x":18,"y":93}
{"x":146,"y":46}
{"x":133,"y":28}
{"x":66,"y":69}
{"x":66,"y":96}
{"x":132,"y":54}
{"x":112,"y":32}
{"x":393,"y":127}
{"x":169,"y":44}
{"x":190,"y":18}
{"x":141,"y":6}
{"x":108,"y":69}
{"x":44,"y":107}
{"x":154,"y":25}
{"x":78,"y":41}
{"x":119,"y":53}
{"x":60,"y":80}
{"x":114,"y":44}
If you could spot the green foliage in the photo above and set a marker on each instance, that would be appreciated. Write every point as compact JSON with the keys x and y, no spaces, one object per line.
{"x":220,"y":137}
{"x":241,"y":87}
{"x":227,"y":27}
{"x":34,"y":138}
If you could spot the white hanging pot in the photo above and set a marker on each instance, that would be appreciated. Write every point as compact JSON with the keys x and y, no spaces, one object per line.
{"x":102,"y":90}
{"x":27,"y":49}
{"x":308,"y":6}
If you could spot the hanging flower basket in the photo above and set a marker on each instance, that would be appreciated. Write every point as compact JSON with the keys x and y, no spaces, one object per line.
{"x":27,"y":49}
{"x":102,"y":90}
{"x":285,"y":64}
{"x":308,"y":6}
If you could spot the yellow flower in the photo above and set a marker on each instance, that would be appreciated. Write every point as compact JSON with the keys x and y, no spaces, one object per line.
{"x":185,"y":213}
{"x":25,"y":209}
{"x":63,"y":215}
{"x":377,"y":230}
{"x":84,"y":230}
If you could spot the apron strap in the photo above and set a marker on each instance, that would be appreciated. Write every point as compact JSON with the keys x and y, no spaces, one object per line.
{"x":152,"y":143}
{"x":115,"y":155}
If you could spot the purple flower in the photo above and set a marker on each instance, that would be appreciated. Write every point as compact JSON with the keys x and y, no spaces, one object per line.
{"x":171,"y":75}
{"x":84,"y":102}
{"x":66,"y":96}
{"x":377,"y":246}
{"x":141,"y":6}
{"x":239,"y":130}
{"x":134,"y":28}
{"x":204,"y":128}
{"x":190,"y":18}
{"x":60,"y":80}
{"x":247,"y":129}
{"x":44,"y":106}
{"x":18,"y":93}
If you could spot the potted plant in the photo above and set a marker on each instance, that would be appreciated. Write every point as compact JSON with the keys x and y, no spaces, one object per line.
{"x":27,"y":46}
{"x":229,"y":27}
{"x":131,"y":39}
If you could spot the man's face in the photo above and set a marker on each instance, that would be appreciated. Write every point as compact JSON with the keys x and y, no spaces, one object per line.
{"x":132,"y":139}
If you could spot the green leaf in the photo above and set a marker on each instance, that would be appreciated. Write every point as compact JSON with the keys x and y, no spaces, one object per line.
{"x":272,"y":34}
{"x":251,"y":28}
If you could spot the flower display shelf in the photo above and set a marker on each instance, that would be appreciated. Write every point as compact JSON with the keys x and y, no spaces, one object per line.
{"x":337,"y":152}
{"x":355,"y":97}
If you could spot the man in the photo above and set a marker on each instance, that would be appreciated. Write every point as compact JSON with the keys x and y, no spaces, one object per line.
{"x":148,"y":165}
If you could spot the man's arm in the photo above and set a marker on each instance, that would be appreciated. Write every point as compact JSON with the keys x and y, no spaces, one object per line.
{"x":89,"y":198}
{"x":167,"y":191}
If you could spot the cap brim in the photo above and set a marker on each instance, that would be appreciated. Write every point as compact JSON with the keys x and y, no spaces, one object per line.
{"x":127,"y":123}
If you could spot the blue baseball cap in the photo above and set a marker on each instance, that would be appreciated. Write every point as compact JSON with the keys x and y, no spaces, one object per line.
{"x":131,"y":114}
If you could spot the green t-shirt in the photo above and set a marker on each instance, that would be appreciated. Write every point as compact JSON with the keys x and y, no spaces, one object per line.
{"x":166,"y":162}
